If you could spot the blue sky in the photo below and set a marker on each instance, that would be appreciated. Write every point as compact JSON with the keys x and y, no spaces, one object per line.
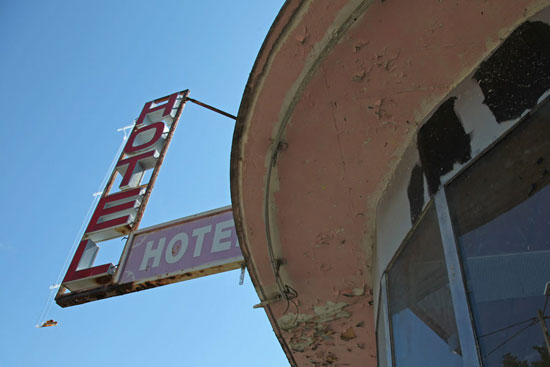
{"x":72,"y":73}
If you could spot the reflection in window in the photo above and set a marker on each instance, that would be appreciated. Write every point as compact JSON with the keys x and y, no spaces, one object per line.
{"x":421,"y":311}
{"x":501,"y":216}
{"x":381,"y":337}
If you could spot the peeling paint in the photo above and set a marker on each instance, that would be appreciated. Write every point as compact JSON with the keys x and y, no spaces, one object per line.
{"x":355,"y":292}
{"x":359,"y":76}
{"x":301,"y":345}
{"x":325,"y":267}
{"x":331,"y":311}
{"x":292,"y":320}
{"x":348,"y":335}
{"x":358,"y":46}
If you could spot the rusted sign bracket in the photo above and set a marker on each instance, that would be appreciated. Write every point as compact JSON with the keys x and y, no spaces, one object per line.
{"x":211,"y":108}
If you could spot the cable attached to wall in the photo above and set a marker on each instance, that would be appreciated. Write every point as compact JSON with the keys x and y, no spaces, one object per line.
{"x":286,"y":292}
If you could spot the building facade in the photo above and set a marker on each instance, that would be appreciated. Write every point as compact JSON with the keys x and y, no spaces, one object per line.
{"x":390,"y":182}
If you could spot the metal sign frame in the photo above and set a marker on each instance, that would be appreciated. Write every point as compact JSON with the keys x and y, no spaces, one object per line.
{"x":116,"y":288}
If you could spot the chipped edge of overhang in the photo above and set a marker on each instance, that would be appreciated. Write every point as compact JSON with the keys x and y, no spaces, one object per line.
{"x":343,"y":20}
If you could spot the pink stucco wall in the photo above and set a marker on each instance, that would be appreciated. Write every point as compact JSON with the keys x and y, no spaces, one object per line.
{"x":343,"y":85}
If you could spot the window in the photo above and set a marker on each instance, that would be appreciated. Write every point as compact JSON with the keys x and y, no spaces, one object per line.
{"x":424,"y":330}
{"x":500,"y":209}
{"x":490,"y":229}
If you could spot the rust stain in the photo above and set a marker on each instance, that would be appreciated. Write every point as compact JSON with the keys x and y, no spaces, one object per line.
{"x":49,"y":323}
{"x":109,"y":289}
{"x":331,"y":358}
{"x":103,"y":280}
{"x":348,"y":335}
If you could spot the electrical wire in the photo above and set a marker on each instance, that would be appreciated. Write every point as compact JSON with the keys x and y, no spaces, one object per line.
{"x":508,"y":327}
{"x":278,"y":142}
{"x":510,"y":338}
{"x":287,"y":307}
{"x":267,"y":218}
{"x":297,"y":312}
{"x":53,"y":288}
{"x":533,"y":321}
{"x":294,"y":294}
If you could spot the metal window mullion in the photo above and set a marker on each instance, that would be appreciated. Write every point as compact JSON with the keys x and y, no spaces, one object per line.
{"x":463,"y":317}
{"x":386,"y":320}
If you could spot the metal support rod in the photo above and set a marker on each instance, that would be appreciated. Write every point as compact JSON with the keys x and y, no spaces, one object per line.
{"x":211,"y":108}
{"x":277,"y":298}
{"x":544,"y":330}
{"x":241,"y":278}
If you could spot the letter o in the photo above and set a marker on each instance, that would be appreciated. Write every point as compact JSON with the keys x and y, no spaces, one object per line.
{"x":159,"y":130}
{"x":173,"y":254}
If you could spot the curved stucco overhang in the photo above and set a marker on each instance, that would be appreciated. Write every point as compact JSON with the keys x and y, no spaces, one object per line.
{"x":335,"y":97}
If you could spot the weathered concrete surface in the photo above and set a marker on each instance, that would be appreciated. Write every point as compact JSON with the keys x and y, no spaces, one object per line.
{"x":337,"y":94}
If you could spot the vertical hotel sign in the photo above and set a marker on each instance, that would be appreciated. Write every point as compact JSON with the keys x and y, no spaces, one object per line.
{"x":120,"y":209}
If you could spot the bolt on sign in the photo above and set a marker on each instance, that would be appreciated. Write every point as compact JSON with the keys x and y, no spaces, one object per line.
{"x":120,"y":210}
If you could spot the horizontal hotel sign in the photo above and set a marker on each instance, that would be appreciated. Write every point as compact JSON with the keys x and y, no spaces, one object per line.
{"x":171,"y":252}
{"x":184,"y":248}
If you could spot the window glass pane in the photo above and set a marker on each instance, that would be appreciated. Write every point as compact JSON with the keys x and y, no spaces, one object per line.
{"x":422,"y":317}
{"x":500,"y":208}
{"x":381,"y":336}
